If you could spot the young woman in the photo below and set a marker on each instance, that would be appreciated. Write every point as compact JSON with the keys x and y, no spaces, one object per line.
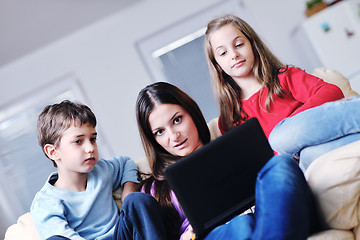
{"x":171,"y":126}
{"x":249,"y":81}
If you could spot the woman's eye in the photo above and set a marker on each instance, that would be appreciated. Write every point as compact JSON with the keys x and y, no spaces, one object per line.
{"x":93,"y":139}
{"x":177,"y":120}
{"x":77,"y":141}
{"x":159,"y":132}
{"x":239,"y":44}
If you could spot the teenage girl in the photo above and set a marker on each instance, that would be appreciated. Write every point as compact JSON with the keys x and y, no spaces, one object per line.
{"x":171,"y":126}
{"x":249,"y":81}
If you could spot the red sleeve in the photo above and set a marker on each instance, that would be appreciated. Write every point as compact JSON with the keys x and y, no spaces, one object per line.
{"x":308,"y":89}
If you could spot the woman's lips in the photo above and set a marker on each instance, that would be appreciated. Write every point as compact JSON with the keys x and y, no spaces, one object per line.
{"x":180,"y":144}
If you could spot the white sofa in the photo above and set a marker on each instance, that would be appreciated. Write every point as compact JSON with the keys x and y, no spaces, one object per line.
{"x":334,"y":178}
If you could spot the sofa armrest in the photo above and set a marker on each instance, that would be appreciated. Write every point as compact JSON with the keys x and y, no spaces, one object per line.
{"x":334,"y":179}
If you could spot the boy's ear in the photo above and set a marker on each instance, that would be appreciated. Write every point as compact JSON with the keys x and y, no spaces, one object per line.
{"x":51,"y":152}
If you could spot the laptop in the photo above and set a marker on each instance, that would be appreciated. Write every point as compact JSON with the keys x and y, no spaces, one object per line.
{"x":217,"y":181}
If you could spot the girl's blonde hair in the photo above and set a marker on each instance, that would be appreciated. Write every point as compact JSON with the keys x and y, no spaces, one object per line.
{"x":266,"y":69}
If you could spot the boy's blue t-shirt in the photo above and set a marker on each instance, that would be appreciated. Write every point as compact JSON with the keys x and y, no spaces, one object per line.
{"x":91,"y":214}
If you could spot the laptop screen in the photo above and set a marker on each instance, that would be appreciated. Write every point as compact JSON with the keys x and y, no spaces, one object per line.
{"x":217,"y":182}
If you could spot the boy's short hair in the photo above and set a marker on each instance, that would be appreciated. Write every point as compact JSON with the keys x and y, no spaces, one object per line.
{"x":55,"y":119}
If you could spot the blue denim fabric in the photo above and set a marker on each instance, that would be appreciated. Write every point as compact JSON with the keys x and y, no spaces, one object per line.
{"x":284,"y":207}
{"x":140,"y":218}
{"x":316,"y":126}
{"x":240,"y":227}
{"x":57,"y":237}
{"x":309,"y":154}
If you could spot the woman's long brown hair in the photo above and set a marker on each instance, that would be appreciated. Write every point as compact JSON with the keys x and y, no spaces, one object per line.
{"x":155,"y":94}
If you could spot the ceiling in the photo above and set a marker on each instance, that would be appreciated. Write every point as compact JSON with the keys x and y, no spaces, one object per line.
{"x":26,"y":25}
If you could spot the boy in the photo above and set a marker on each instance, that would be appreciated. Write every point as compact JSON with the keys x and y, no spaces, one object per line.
{"x":76,"y":202}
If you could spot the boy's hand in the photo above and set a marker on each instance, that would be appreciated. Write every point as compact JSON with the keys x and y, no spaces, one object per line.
{"x":129,"y":187}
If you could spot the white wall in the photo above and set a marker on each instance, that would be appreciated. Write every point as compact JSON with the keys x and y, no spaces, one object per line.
{"x":277,"y":20}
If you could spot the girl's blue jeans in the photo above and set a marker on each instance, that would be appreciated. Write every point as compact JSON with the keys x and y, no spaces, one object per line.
{"x":284,"y":206}
{"x":318,"y":130}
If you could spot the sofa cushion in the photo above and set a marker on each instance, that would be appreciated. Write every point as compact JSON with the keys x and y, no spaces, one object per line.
{"x":333,"y":234}
{"x":335,"y":180}
{"x":214,"y":128}
{"x":336,"y":78}
{"x":24,"y":229}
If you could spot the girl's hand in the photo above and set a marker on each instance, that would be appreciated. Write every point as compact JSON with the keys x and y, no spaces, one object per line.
{"x":187,"y":235}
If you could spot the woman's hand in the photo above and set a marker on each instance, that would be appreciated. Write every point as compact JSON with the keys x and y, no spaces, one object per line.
{"x":188,"y":234}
